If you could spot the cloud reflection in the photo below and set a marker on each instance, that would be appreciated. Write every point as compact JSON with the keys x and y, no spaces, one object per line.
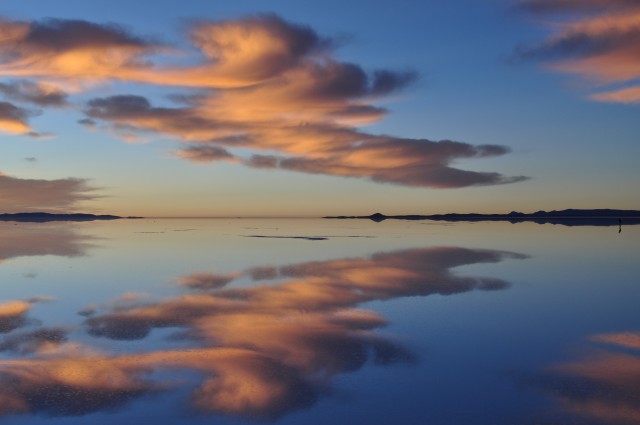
{"x":24,"y":240}
{"x":604,"y":386}
{"x":39,"y":340}
{"x":13,"y":315}
{"x":263,"y":350}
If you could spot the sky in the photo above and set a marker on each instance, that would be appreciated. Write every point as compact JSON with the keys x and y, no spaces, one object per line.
{"x":286,"y":108}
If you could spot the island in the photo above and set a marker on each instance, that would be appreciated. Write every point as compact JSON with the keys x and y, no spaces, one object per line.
{"x":42,"y":217}
{"x":569,"y":217}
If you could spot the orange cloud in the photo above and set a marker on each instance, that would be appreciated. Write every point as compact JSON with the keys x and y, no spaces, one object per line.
{"x":263,"y":84}
{"x":546,"y":6}
{"x":71,"y":49}
{"x":13,"y":119}
{"x":233,"y":53}
{"x":599,"y":41}
{"x":320,"y":145}
{"x":206,"y":154}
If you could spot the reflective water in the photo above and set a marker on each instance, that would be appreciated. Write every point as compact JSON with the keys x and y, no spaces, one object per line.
{"x":318,"y":321}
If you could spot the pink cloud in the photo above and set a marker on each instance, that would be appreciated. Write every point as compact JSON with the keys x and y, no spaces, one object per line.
{"x":595,"y":39}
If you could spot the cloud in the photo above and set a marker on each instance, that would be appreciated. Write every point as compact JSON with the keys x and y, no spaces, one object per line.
{"x":40,"y":299}
{"x":233,"y":53}
{"x":40,"y":136}
{"x":552,"y":6}
{"x":13,"y":119}
{"x":135,"y":113}
{"x":264,"y":84}
{"x":596,"y":39}
{"x":319,"y":146}
{"x":205,"y":154}
{"x":263,"y":161}
{"x":71,"y":49}
{"x":268,"y":86}
{"x":248,"y":51}
{"x":32,"y":92}
{"x":88,"y":122}
{"x":18,"y":195}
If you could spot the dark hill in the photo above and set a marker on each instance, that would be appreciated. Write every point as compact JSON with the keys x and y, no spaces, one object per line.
{"x":41,"y":217}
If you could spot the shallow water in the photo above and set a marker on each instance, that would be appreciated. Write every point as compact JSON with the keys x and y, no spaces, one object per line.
{"x":236,"y":321}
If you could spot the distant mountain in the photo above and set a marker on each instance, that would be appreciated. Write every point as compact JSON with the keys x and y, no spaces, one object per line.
{"x":41,"y":217}
{"x":570,"y":217}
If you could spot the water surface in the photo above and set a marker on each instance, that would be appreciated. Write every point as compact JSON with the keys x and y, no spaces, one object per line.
{"x":318,"y":321}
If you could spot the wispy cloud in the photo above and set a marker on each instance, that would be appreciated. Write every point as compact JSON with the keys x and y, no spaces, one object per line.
{"x":14,"y":119}
{"x":555,"y":6}
{"x":37,"y":93}
{"x":18,"y":194}
{"x":596,"y":39}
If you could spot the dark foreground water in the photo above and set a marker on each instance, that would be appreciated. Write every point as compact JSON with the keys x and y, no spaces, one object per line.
{"x":318,"y":322}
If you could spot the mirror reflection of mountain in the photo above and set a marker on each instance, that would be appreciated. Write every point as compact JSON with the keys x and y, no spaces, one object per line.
{"x":262,"y":351}
{"x":40,"y":239}
{"x":569,"y":217}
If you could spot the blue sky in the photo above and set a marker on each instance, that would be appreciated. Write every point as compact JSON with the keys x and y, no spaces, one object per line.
{"x":478,"y":73}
